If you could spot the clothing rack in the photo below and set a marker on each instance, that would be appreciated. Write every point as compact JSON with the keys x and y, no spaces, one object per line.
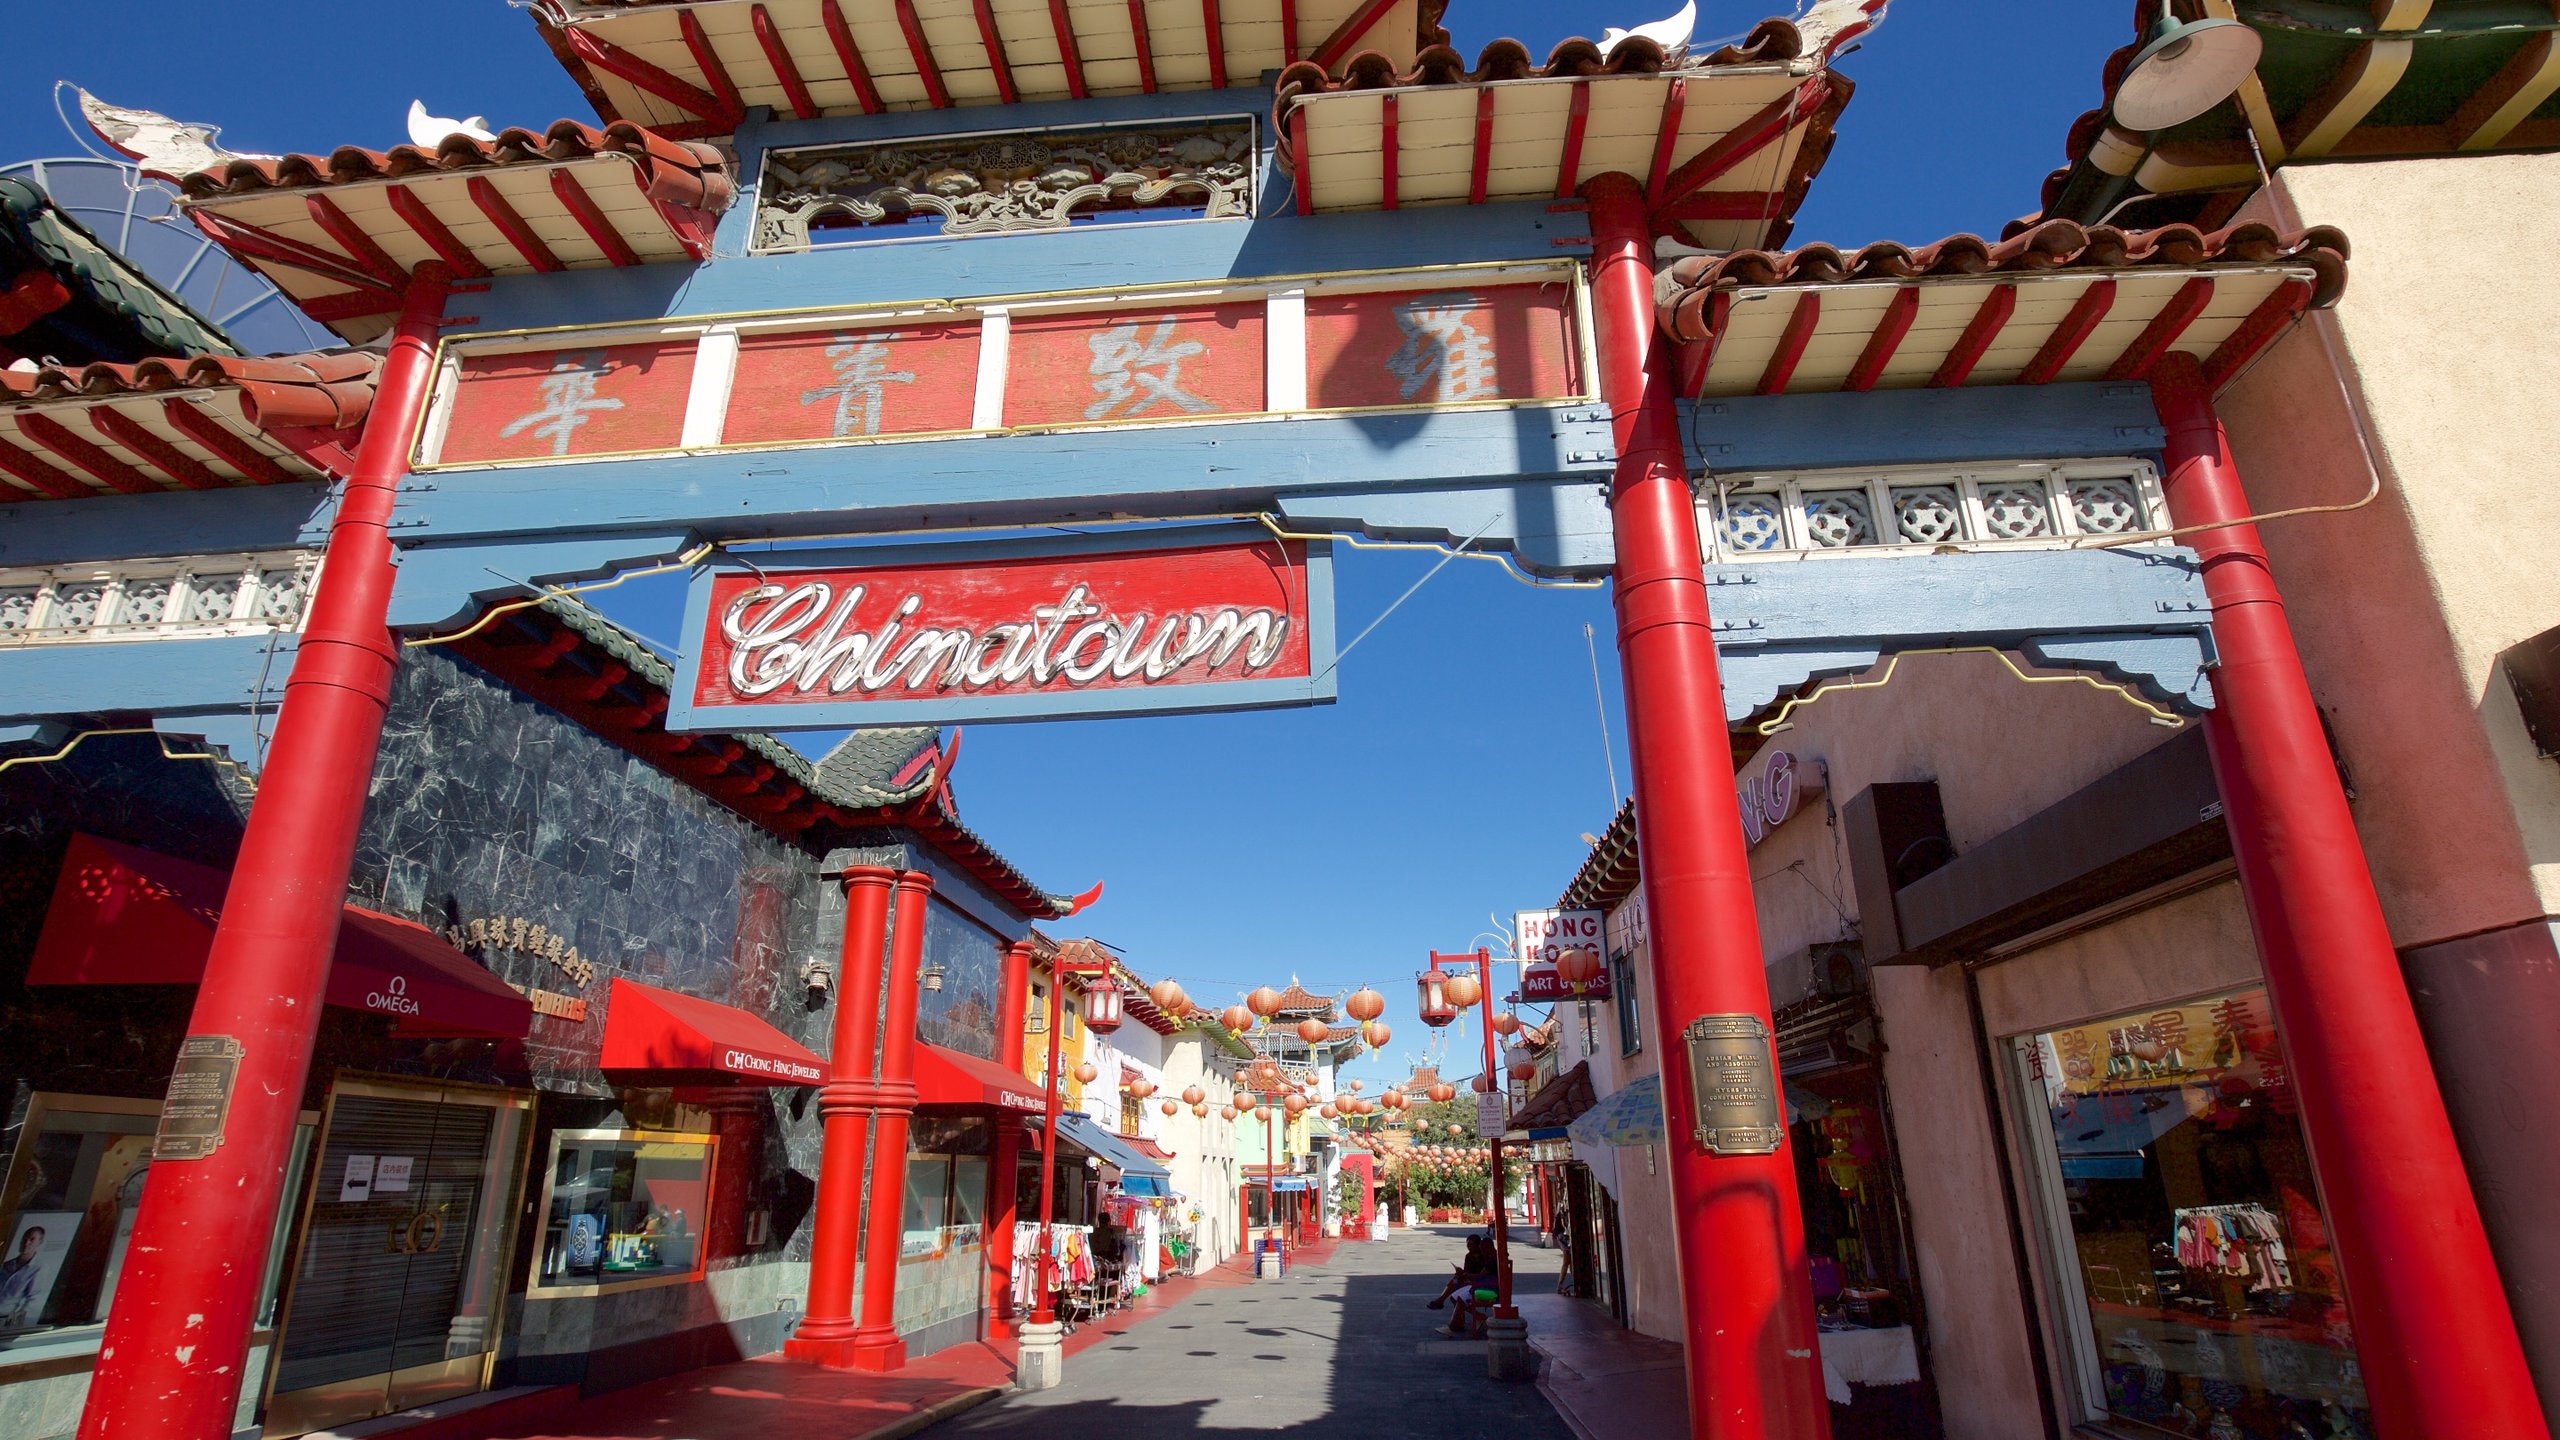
{"x":2244,"y":1240}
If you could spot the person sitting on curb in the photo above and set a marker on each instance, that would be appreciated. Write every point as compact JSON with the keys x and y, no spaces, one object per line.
{"x":1479,"y":1263}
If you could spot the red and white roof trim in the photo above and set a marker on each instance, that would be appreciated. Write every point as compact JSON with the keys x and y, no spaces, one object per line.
{"x":340,"y":234}
{"x":1725,"y":143}
{"x":214,"y":422}
{"x":2058,"y":302}
{"x":691,"y":68}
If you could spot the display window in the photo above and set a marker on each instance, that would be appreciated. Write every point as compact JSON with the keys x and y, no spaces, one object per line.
{"x":623,"y":1208}
{"x":74,"y":1180}
{"x":2198,"y":1291}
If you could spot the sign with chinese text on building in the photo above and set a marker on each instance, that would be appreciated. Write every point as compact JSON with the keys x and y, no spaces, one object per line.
{"x":1145,"y":622}
{"x":1541,"y":937}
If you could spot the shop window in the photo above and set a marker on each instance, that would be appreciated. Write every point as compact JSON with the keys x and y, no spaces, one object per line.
{"x":74,"y":1178}
{"x":623,"y":1208}
{"x":1132,"y":1114}
{"x":1622,"y":990}
{"x":2197,"y":1283}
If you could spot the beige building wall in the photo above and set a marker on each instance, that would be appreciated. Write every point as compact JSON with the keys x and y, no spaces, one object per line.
{"x":2444,"y":346}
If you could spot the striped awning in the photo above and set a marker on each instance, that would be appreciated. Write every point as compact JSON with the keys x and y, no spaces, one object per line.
{"x":2057,"y":303}
{"x":692,"y":69}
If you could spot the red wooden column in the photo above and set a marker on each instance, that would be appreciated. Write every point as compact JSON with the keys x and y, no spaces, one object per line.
{"x":170,"y":1365}
{"x":2433,"y":1332}
{"x":876,"y":1345}
{"x":1753,"y":1370}
{"x":1013,"y":1001}
{"x":825,"y":1336}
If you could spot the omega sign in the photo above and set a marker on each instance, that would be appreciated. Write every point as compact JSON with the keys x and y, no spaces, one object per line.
{"x":1195,"y":618}
{"x":392,"y":998}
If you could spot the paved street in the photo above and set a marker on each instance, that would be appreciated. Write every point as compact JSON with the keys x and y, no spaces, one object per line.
{"x":1345,"y":1345}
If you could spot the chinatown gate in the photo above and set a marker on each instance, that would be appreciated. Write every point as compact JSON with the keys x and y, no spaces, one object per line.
{"x":958,"y":273}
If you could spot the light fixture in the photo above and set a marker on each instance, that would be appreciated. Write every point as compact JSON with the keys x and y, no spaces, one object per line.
{"x":931,"y":976}
{"x":1102,"y":1004}
{"x":2184,"y":68}
{"x":1430,"y":997}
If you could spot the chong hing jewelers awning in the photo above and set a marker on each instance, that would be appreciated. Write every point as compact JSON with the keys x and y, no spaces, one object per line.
{"x":123,"y":915}
{"x":678,"y":1039}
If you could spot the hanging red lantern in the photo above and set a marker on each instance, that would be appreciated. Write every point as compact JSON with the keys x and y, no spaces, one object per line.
{"x":1314,"y":1031}
{"x":1482,"y":1084}
{"x":1355,"y":1086}
{"x":1296,"y":1104}
{"x":1462,"y":990}
{"x":1506,"y":1024}
{"x":1142,"y":1088}
{"x":1170,"y":1107}
{"x":1102,"y":1004}
{"x":1431,"y":997}
{"x":1199,"y":1111}
{"x":1262,"y":1113}
{"x":1578,"y":968}
{"x":1236,"y":1018}
{"x":1328,"y":1112}
{"x":1228,"y":1111}
{"x":1375,"y":1034}
{"x":1264,"y":1001}
{"x":1443,"y":1092}
{"x":1365,"y":1004}
{"x":1193,"y":1095}
{"x":1168,"y":996}
{"x":1457,"y":1129}
{"x":1085,"y":1073}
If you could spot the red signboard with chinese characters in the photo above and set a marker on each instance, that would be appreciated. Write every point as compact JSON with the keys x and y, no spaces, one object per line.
{"x":1221,"y":617}
{"x":1139,"y":365}
{"x":844,"y":384}
{"x":1439,"y":347}
{"x":552,"y":404}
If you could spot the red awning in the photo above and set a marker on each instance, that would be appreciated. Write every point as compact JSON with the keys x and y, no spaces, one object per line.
{"x":122,"y":915}
{"x":672,"y":1038}
{"x":948,"y":1077}
{"x":1146,"y":1147}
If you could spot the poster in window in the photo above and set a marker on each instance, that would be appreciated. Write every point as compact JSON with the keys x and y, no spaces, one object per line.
{"x":38,"y":1242}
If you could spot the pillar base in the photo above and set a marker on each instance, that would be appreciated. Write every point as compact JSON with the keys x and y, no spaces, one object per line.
{"x":878,"y":1351}
{"x":834,"y":1352}
{"x":1507,"y":1355}
{"x":1040,"y":1362}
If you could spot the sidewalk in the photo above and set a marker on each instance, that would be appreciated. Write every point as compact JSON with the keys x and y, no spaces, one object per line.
{"x":1604,"y":1379}
{"x":768,"y":1396}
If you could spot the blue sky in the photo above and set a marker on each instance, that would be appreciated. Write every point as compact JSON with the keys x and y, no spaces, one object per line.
{"x":1454,"y":778}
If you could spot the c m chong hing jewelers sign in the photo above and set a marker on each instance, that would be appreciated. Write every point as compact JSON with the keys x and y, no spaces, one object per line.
{"x":1140,"y":622}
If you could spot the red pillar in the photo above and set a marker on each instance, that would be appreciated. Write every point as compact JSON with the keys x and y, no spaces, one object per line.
{"x":1013,"y":997}
{"x":1753,"y":1369}
{"x":170,"y":1365}
{"x":825,"y":1336}
{"x":876,"y":1345}
{"x":1041,"y":1313}
{"x":1493,"y":1143}
{"x":2433,"y":1332}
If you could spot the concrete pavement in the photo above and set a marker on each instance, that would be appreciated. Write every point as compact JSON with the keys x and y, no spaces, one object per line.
{"x":1343,"y":1345}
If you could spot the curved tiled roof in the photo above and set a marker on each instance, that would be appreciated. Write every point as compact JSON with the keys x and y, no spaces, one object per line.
{"x":1297,"y":998}
{"x":1770,"y":42}
{"x":1682,"y":289}
{"x":42,"y":236}
{"x":675,"y":172}
{"x":329,"y":389}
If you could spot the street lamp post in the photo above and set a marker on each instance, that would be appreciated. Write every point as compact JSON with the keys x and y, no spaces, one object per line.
{"x":1507,"y":1355}
{"x":1038,"y":1361}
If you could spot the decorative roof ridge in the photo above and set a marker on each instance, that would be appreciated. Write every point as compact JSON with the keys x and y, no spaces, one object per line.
{"x":331,"y":389}
{"x":683,"y":173}
{"x":76,"y":257}
{"x":1682,"y":289}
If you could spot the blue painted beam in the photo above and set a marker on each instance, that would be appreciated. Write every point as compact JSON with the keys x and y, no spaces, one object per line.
{"x":1087,"y":257}
{"x":1556,"y":528}
{"x":151,"y":677}
{"x":443,"y":584}
{"x":1920,"y":427}
{"x":2139,"y":616}
{"x":134,"y":527}
{"x":1006,"y":480}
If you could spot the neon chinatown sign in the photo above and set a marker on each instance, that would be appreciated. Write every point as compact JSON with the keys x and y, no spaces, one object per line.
{"x":1192,"y":618}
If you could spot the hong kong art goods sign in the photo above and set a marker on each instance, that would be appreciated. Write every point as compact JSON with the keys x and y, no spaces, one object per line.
{"x":1222,"y":617}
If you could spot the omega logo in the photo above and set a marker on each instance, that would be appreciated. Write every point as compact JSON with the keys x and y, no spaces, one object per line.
{"x":421,"y":1234}
{"x":393,"y":998}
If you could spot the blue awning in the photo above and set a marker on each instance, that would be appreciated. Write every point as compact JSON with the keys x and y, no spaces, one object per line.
{"x":1143,"y":1185}
{"x":1291,"y":1182}
{"x":1081,"y":1130}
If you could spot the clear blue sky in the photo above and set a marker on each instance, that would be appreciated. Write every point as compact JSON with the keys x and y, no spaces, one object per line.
{"x":1463,"y":761}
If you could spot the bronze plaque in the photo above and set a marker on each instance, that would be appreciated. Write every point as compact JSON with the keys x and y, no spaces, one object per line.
{"x":1733,"y":1080}
{"x":199,"y":1098}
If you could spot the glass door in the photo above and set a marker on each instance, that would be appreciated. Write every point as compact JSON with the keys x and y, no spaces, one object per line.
{"x":396,"y":1286}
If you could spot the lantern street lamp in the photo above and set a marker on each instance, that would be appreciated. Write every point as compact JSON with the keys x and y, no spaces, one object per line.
{"x":1431,"y":997}
{"x":1039,"y":1355}
{"x":1507,"y":1336}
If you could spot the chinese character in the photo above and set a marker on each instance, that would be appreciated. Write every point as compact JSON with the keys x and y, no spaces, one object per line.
{"x":861,"y":372}
{"x":1439,"y":342}
{"x":567,"y":398}
{"x":1124,"y":368}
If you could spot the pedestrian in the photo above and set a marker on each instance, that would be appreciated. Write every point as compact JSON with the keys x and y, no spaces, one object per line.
{"x":1479,"y":1263}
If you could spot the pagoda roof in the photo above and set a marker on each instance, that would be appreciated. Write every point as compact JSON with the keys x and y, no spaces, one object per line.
{"x":1727,"y":142}
{"x":2332,"y":82}
{"x":65,"y":295}
{"x":340,"y":234}
{"x":1295,"y":1000}
{"x":206,"y":422}
{"x":692,"y":68}
{"x":2056,"y":302}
